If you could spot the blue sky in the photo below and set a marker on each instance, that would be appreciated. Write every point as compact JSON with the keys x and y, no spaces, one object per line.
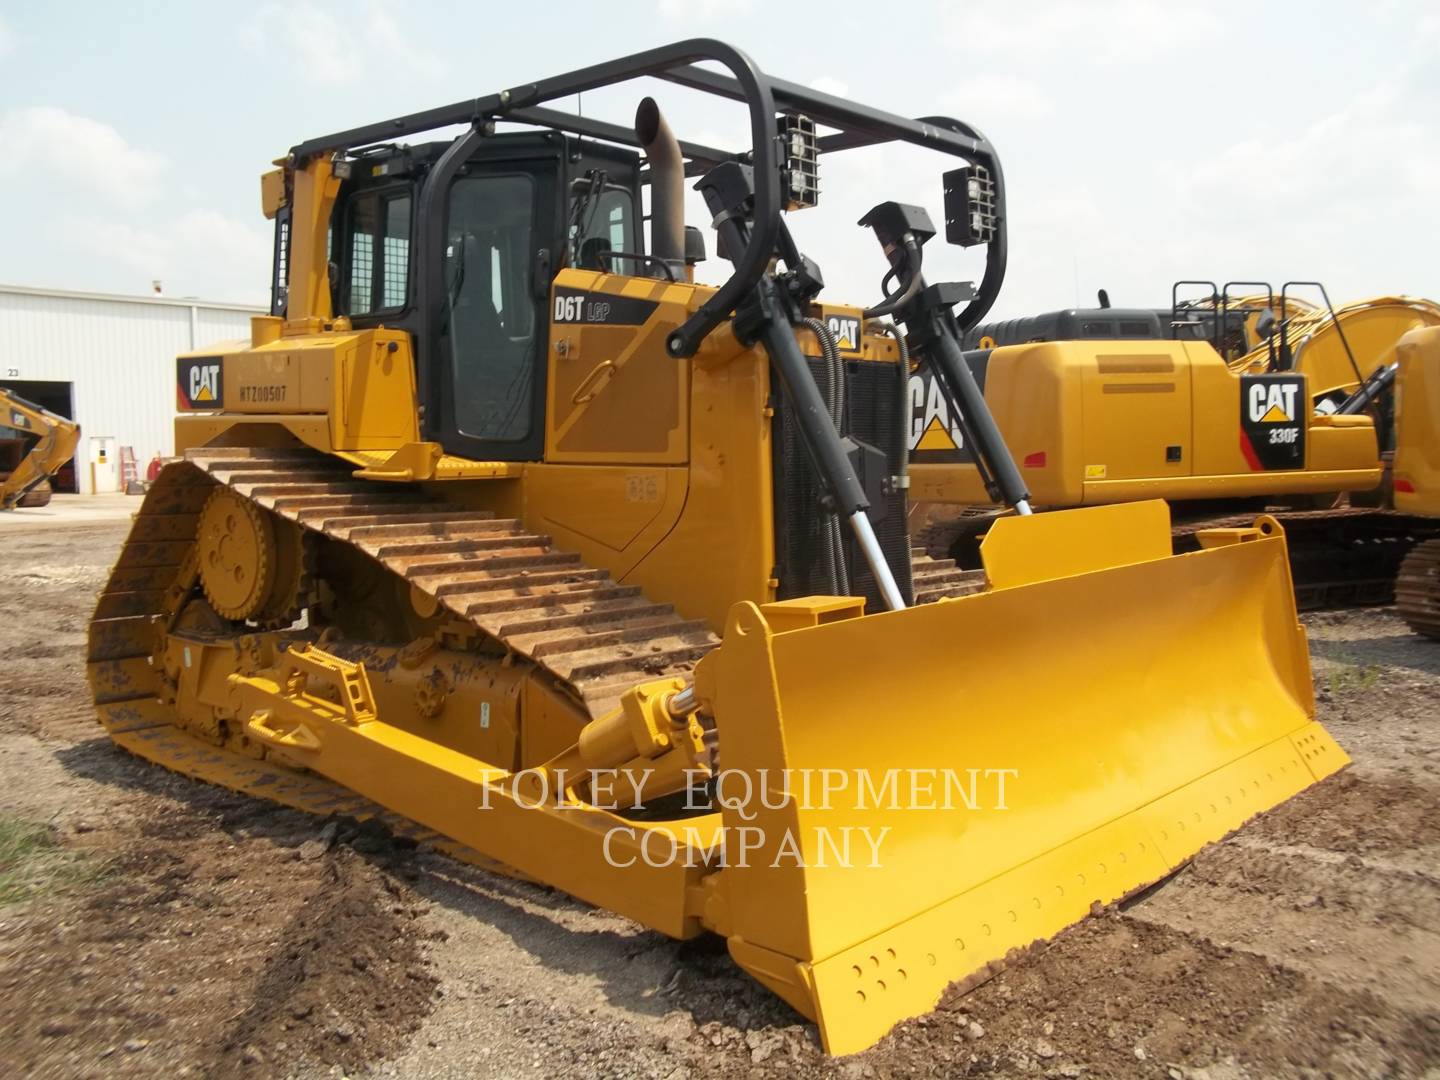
{"x":1238,"y":141}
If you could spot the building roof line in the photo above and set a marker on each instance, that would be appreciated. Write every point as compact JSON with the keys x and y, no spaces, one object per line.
{"x":121,"y":298}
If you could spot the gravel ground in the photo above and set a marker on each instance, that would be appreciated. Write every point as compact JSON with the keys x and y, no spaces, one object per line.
{"x":175,"y":929}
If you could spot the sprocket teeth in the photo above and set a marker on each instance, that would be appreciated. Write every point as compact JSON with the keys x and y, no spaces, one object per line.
{"x":236,"y":561}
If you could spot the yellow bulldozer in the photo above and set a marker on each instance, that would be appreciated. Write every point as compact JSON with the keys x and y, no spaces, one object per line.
{"x":1225,"y":405}
{"x":504,"y":529}
{"x":28,"y":481}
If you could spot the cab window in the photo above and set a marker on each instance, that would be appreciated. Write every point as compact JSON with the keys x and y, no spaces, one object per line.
{"x":377,"y":253}
{"x":490,"y":310}
{"x":607,"y":216}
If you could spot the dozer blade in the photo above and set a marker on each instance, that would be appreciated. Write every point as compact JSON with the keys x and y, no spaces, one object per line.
{"x":1136,"y":705}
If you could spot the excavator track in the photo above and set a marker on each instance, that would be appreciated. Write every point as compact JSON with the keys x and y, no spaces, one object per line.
{"x":1342,"y":557}
{"x":1417,"y":589}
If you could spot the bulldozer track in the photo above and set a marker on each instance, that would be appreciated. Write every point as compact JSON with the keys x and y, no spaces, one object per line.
{"x":1417,"y":589}
{"x":594,"y":636}
{"x":940,"y":579}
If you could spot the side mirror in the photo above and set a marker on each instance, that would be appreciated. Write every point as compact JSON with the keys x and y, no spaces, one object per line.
{"x":1265,"y":324}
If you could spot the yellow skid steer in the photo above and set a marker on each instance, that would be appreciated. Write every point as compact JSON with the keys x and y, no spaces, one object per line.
{"x":507,"y":531}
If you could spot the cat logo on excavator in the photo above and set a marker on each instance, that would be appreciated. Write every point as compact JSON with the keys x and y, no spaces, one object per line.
{"x":935,"y":436}
{"x":1272,"y":429}
{"x":1273,"y":402}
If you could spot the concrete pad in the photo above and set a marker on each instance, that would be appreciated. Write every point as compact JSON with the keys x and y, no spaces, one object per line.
{"x":73,"y":510}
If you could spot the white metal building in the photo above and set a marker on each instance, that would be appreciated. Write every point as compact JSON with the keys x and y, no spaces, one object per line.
{"x":108,"y":362}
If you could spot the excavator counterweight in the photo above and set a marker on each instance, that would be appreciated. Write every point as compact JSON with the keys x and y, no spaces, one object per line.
{"x":1226,"y":405}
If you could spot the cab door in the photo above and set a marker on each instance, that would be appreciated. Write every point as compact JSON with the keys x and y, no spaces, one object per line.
{"x":492,"y":244}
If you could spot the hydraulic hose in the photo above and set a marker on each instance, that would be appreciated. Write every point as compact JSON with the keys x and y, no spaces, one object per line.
{"x":897,"y":300}
{"x":901,"y":473}
{"x":833,"y":548}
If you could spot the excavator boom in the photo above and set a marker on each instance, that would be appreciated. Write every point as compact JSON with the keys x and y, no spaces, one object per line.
{"x":58,"y":438}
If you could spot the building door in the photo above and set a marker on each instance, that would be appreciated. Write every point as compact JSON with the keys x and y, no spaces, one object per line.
{"x":104,"y":460}
{"x":59,"y":398}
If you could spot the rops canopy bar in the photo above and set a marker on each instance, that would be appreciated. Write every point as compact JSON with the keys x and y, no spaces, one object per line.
{"x":856,"y":125}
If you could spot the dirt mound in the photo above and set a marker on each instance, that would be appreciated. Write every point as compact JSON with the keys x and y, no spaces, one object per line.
{"x":213,"y":934}
{"x":227,"y":939}
{"x":346,"y":983}
{"x":1357,"y":814}
{"x":1114,"y":997}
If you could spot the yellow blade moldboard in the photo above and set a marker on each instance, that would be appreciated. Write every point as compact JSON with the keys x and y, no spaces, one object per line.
{"x":1144,"y":704}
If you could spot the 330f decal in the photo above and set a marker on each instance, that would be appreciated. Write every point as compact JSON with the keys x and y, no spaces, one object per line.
{"x":1272,"y":421}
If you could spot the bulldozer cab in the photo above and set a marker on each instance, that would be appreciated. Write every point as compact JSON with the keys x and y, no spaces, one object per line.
{"x":508,"y":214}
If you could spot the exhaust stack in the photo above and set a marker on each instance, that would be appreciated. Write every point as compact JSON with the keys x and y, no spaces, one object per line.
{"x":667,"y":183}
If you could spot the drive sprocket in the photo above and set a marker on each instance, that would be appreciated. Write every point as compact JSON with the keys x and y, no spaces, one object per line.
{"x":254,"y":566}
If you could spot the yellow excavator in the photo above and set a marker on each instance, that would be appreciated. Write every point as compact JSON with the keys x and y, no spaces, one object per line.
{"x":1337,"y":348}
{"x":28,"y":483}
{"x":504,"y":529}
{"x":1224,"y":405}
{"x":1416,"y":486}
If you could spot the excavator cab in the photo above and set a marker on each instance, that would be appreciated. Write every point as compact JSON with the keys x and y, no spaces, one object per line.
{"x":507,"y":530}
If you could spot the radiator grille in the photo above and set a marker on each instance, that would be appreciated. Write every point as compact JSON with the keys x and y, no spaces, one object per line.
{"x":873,"y":417}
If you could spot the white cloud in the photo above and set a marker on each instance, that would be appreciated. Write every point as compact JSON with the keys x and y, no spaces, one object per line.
{"x":7,"y":39}
{"x":201,"y":252}
{"x":48,"y":144}
{"x":322,"y":46}
{"x":702,"y":11}
{"x":384,"y":36}
{"x":827,"y":85}
{"x":1329,"y":162}
{"x":336,"y":49}
{"x":1105,"y":29}
{"x":1340,"y":197}
{"x":997,"y":95}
